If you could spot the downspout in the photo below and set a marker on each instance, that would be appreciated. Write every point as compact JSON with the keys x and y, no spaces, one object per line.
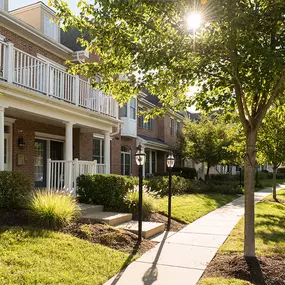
{"x":117,"y":131}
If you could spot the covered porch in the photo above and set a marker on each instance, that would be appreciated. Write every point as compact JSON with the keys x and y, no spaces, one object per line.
{"x":50,"y":151}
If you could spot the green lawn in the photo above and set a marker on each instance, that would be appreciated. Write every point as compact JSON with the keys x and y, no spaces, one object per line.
{"x":30,"y":256}
{"x":222,"y":281}
{"x":269,"y":228}
{"x":189,"y":207}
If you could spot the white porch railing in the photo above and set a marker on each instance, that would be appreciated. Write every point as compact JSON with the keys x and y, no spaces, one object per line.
{"x":62,"y":174}
{"x":22,"y":69}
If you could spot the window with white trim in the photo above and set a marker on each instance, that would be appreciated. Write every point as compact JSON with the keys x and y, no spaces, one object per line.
{"x":151,"y":162}
{"x":177,"y":128}
{"x":133,"y":108}
{"x":126,"y":165}
{"x":2,"y":4}
{"x":124,"y":111}
{"x":98,"y":150}
{"x":50,"y":28}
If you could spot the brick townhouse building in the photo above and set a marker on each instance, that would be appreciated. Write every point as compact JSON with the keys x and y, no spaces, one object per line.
{"x":53,"y":125}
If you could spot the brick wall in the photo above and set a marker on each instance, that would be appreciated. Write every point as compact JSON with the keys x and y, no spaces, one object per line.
{"x":27,"y":129}
{"x":27,"y":46}
{"x":86,"y":146}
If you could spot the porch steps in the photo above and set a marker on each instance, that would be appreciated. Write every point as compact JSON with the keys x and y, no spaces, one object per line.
{"x":109,"y":218}
{"x":95,"y":214}
{"x":149,"y":229}
{"x":86,"y":208}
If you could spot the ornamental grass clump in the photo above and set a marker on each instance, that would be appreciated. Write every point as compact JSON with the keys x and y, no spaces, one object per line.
{"x":52,"y":209}
{"x":132,"y":199}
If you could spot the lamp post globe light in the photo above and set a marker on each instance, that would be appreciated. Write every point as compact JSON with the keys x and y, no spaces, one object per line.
{"x":170,"y":163}
{"x":140,"y":161}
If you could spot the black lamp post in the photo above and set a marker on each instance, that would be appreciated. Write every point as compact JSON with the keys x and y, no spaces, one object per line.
{"x":140,"y":160}
{"x":170,"y":163}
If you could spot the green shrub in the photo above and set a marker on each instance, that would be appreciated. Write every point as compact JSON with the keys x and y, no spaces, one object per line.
{"x":265,"y":175}
{"x":52,"y":209}
{"x":214,"y":187}
{"x":131,"y":202}
{"x":159,"y":185}
{"x":14,"y":187}
{"x":106,"y":190}
{"x":224,"y":177}
{"x":185,"y":172}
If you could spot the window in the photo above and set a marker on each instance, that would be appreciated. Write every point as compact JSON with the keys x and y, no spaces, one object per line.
{"x":98,"y":150}
{"x":50,"y":28}
{"x":133,"y":108}
{"x":124,"y":111}
{"x":1,"y":4}
{"x":149,"y":125}
{"x":150,"y":162}
{"x":125,"y":160}
{"x":177,"y":128}
{"x":171,"y":127}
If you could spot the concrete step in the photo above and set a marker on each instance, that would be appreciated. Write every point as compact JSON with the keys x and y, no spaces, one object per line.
{"x":149,"y":229}
{"x":89,"y":209}
{"x":109,"y":218}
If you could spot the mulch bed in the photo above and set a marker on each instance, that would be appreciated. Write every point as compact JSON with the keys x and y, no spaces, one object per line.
{"x":115,"y":238}
{"x":159,"y":218}
{"x":96,"y":233}
{"x":263,"y":270}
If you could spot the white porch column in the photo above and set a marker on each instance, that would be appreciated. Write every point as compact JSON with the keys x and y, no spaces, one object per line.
{"x":107,"y":151}
{"x":2,"y":136}
{"x":68,"y":141}
{"x":68,"y":179}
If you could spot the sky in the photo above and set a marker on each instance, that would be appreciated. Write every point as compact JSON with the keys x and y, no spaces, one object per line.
{"x":14,"y":4}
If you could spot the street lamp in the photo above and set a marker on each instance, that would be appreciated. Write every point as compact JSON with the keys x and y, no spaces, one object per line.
{"x":140,"y":160}
{"x":170,"y":163}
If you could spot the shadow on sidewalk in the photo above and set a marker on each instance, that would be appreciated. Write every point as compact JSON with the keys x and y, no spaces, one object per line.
{"x":151,"y":274}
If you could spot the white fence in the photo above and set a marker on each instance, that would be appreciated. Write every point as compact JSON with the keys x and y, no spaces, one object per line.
{"x":20,"y":68}
{"x":62,"y":174}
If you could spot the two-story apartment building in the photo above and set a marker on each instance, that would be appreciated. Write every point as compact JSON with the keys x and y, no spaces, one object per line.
{"x":54,"y":124}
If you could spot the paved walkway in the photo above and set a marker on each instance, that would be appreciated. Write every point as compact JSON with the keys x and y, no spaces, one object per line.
{"x":181,"y":258}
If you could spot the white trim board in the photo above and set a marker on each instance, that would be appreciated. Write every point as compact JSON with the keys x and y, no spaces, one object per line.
{"x":49,"y":136}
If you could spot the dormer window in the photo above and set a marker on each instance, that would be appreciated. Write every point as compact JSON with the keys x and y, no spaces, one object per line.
{"x":2,"y":4}
{"x":50,"y":28}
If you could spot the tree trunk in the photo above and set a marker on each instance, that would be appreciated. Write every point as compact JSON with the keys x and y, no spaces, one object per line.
{"x":208,"y":171}
{"x":249,"y":168}
{"x":274,"y":183}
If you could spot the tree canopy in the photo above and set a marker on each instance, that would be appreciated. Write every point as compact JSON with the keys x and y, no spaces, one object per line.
{"x":207,"y":140}
{"x":236,"y":58}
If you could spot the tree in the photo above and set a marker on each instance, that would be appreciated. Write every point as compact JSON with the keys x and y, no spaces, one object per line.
{"x":237,"y":58}
{"x":207,"y":141}
{"x":270,"y":143}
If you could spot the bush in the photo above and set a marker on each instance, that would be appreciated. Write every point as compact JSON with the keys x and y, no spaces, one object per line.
{"x":14,"y":187}
{"x":265,"y":175}
{"x":185,"y":172}
{"x":214,"y":187}
{"x":52,"y":209}
{"x":159,"y":185}
{"x":104,"y":189}
{"x":132,"y":199}
{"x":224,"y":177}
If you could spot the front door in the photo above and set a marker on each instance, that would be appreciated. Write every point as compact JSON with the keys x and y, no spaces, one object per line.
{"x":40,"y":163}
{"x":56,"y":150}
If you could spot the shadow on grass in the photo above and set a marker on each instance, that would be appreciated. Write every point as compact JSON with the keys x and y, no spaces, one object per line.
{"x":25,"y":232}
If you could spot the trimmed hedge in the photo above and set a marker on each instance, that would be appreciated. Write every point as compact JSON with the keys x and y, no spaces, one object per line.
{"x":159,"y":185}
{"x":14,"y":189}
{"x":108,"y":190}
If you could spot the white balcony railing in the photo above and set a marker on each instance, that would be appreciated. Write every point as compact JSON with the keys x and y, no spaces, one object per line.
{"x":24,"y":70}
{"x":62,"y":174}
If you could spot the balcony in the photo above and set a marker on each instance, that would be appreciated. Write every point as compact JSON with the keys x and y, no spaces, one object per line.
{"x":26,"y":71}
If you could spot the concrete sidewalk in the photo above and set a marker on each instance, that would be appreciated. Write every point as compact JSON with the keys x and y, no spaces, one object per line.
{"x":181,"y":258}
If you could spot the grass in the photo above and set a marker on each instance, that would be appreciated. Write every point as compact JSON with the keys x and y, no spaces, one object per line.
{"x":189,"y":207}
{"x":31,"y":256}
{"x":269,"y":229}
{"x":222,"y":281}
